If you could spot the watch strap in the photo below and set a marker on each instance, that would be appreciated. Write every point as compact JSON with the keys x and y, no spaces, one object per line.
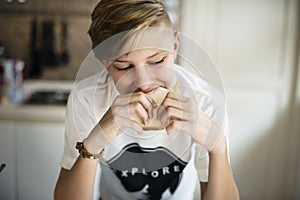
{"x":85,"y":154}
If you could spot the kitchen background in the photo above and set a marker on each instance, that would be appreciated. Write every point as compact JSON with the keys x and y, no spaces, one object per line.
{"x":254,"y":43}
{"x":50,"y":36}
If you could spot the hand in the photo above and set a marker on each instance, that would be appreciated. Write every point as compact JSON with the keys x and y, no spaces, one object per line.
{"x":117,"y":118}
{"x":182,"y":113}
{"x":136,"y":104}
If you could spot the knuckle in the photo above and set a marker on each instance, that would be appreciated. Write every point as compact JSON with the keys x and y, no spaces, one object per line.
{"x":179,"y":105}
{"x":177,"y":125}
{"x":138,"y":106}
{"x":140,"y":95}
{"x":134,"y":105}
{"x":169,"y":110}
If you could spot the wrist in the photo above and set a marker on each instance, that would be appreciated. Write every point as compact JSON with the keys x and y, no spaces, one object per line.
{"x":86,"y":154}
{"x":221,"y":146}
{"x":102,"y":134}
{"x":91,"y":146}
{"x":210,"y":136}
{"x":203,"y":130}
{"x":108,"y":125}
{"x":95,"y":141}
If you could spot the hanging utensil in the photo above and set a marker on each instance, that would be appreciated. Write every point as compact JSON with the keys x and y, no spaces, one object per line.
{"x":35,"y":53}
{"x":48,"y":36}
{"x":64,"y":37}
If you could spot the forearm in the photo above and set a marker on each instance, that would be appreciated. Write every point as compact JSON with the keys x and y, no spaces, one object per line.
{"x":221,"y":184}
{"x":78,"y":183}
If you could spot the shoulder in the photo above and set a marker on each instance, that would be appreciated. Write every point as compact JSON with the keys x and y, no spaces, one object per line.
{"x":86,"y":90}
{"x":91,"y":96}
{"x":189,"y":79}
{"x":193,"y":80}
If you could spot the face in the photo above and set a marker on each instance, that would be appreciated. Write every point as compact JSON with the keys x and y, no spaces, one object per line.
{"x":144,"y":69}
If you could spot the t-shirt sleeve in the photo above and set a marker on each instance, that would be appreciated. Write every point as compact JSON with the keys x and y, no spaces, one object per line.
{"x":87,"y":103}
{"x":78,"y":123}
{"x":201,"y":163}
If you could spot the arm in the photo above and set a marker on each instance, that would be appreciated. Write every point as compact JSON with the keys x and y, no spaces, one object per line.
{"x":221,"y":184}
{"x":203,"y":186}
{"x":180,"y":111}
{"x":77,"y":183}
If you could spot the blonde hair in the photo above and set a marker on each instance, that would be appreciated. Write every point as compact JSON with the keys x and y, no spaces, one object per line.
{"x":111,"y":17}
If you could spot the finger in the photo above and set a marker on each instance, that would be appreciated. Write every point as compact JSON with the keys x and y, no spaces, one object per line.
{"x":180,"y":98}
{"x":187,"y":106}
{"x":173,"y":113}
{"x":124,"y":99}
{"x":182,"y":103}
{"x":185,"y":126}
{"x":146,"y":101}
{"x":138,"y":109}
{"x":161,"y":111}
{"x":168,"y":102}
{"x":174,"y":125}
{"x":124,"y":122}
{"x":130,"y":111}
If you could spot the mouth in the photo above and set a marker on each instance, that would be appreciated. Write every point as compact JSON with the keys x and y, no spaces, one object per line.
{"x":149,"y":89}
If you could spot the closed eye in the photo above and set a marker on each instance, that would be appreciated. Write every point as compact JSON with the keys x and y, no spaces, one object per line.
{"x":128,"y":67}
{"x":158,"y":62}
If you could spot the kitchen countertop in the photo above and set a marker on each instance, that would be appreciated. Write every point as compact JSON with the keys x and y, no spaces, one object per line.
{"x":33,"y":113}
{"x":39,"y":112}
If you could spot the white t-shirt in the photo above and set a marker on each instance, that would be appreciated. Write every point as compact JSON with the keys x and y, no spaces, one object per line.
{"x":152,"y":166}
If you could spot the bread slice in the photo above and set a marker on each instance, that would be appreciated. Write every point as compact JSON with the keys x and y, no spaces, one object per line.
{"x":158,"y":96}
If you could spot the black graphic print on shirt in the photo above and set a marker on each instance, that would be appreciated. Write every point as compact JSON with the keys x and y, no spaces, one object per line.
{"x":148,"y":173}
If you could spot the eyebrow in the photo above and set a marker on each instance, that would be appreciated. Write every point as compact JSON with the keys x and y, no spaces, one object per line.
{"x":117,"y":60}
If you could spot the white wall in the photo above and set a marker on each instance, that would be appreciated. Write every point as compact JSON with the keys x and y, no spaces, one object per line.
{"x":297,"y":126}
{"x":253,"y":43}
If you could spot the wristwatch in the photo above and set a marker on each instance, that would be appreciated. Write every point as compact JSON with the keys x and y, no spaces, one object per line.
{"x":85,"y":154}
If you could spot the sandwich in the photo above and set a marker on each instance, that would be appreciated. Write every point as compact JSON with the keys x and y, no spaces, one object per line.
{"x":158,"y":96}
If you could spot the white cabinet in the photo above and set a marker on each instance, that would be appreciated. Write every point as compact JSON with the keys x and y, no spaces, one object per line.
{"x":39,"y":149}
{"x":34,"y":150}
{"x":7,"y":157}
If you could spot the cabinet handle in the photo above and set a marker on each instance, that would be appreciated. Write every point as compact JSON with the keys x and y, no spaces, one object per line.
{"x":3,"y":165}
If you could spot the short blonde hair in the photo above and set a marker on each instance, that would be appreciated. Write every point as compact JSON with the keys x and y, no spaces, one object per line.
{"x":111,"y":17}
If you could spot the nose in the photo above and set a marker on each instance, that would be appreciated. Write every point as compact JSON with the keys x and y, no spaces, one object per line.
{"x":143,"y":78}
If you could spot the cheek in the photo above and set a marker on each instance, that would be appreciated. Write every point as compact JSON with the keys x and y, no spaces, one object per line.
{"x":123,"y":82}
{"x":165,"y":75}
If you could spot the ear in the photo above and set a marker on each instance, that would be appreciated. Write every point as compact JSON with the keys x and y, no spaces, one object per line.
{"x":176,"y":44}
